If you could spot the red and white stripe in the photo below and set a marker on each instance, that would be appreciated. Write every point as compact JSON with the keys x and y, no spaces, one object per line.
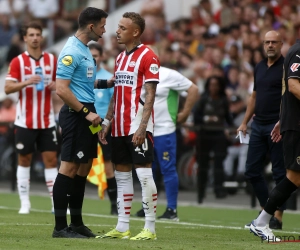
{"x":128,"y":109}
{"x":154,"y":199}
{"x":34,"y":108}
{"x":127,"y":198}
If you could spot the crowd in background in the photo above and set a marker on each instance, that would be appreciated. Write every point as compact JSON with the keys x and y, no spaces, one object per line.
{"x":226,"y":43}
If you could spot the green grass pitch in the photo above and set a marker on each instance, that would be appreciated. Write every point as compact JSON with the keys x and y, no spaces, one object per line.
{"x":199,"y":228}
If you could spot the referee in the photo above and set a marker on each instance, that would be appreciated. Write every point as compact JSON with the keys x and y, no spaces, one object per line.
{"x":76,"y":73}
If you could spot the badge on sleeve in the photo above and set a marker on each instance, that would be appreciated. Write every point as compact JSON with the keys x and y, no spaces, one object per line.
{"x":154,"y":68}
{"x":67,"y":60}
{"x":294,"y":67}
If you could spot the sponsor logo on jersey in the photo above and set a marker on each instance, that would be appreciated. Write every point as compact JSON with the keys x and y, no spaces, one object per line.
{"x":294,"y":67}
{"x":154,"y":68}
{"x":67,"y":60}
{"x":124,"y":78}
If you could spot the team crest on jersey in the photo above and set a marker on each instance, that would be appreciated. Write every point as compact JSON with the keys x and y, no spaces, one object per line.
{"x":47,"y":67}
{"x":67,"y":60}
{"x":132,"y":64}
{"x":298,"y":160}
{"x":294,"y":67}
{"x":154,"y":68}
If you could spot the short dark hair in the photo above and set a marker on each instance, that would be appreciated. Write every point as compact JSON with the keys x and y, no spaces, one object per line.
{"x":137,"y":19}
{"x":90,"y":15}
{"x":96,"y":46}
{"x":33,"y":25}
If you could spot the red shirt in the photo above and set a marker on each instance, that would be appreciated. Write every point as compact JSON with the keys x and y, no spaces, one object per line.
{"x":132,"y":71}
{"x":34,"y":108}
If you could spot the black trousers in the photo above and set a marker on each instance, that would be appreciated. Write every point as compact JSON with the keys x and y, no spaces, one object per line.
{"x":209,"y":142}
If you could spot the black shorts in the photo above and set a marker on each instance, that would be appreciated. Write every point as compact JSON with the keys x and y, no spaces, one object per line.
{"x":79,"y":144}
{"x":29,"y":140}
{"x":124,"y":152}
{"x":291,"y":150}
{"x":106,"y":149}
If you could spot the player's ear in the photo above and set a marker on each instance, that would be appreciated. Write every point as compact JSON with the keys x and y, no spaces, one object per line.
{"x":136,"y":32}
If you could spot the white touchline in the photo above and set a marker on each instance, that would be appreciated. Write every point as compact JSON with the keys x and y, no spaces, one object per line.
{"x":170,"y":223}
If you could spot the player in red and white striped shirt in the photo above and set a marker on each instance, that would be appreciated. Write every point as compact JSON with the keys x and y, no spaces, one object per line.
{"x":34,"y":123}
{"x":131,"y":115}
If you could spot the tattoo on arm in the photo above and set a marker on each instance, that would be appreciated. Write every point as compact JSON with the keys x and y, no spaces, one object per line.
{"x":149,"y":102}
{"x":110,"y":111}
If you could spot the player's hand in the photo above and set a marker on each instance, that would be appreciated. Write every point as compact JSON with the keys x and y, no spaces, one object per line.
{"x":102,"y":134}
{"x":182,"y":117}
{"x":111,"y":82}
{"x":94,"y":119}
{"x":35,"y":79}
{"x":243,"y":128}
{"x":275,"y":133}
{"x":51,"y":86}
{"x":139,"y":136}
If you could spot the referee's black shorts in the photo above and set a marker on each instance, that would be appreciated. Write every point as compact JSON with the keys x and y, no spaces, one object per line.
{"x":79,"y":144}
{"x":291,"y":149}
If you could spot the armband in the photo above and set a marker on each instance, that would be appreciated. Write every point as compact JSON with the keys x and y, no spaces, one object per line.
{"x":102,"y":84}
{"x":105,"y":122}
{"x":84,"y":111}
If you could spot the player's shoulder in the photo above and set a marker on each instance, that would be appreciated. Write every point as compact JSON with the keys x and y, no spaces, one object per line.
{"x":18,"y":58}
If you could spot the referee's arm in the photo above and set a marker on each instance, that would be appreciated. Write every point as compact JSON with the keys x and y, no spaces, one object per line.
{"x":64,"y":92}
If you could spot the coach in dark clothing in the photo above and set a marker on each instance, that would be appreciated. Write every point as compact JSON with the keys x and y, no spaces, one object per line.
{"x":264,"y":104}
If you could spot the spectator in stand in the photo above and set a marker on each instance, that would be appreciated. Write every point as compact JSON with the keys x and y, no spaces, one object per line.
{"x":153,"y":13}
{"x":68,"y":14}
{"x":45,"y":11}
{"x":7,"y":31}
{"x":226,"y":15}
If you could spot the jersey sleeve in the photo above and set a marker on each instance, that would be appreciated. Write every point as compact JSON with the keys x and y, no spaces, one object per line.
{"x":151,"y":66}
{"x":14,"y":72}
{"x":294,"y":66}
{"x":54,"y":69}
{"x":178,"y":82}
{"x":66,"y":64}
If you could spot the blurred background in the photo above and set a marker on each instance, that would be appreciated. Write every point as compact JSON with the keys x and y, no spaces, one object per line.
{"x":198,"y":38}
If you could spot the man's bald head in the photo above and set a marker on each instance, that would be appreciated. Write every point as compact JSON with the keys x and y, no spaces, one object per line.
{"x":273,"y":44}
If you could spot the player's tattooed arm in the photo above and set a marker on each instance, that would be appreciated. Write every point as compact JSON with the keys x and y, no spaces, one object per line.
{"x":110,"y":111}
{"x":150,"y":89}
{"x":140,"y":135}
